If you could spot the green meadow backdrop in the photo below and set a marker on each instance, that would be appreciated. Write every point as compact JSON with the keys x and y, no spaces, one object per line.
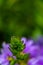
{"x":22,"y":18}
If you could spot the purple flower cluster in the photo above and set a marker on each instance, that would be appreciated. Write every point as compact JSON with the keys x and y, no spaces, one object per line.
{"x":35,"y":49}
{"x":6,"y":55}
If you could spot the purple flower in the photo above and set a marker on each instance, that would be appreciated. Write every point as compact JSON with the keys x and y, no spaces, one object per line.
{"x":24,"y":40}
{"x":6,"y":50}
{"x":36,"y":61}
{"x":6,"y":55}
{"x":30,"y":48}
{"x":35,"y":49}
{"x":39,"y":41}
{"x":3,"y":59}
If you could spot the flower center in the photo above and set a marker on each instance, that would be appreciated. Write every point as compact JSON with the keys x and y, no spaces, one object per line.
{"x":9,"y":58}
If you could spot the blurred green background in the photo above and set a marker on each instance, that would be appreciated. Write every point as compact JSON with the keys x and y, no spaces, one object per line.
{"x":22,"y":18}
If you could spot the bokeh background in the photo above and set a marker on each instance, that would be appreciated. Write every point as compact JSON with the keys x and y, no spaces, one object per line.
{"x":22,"y":18}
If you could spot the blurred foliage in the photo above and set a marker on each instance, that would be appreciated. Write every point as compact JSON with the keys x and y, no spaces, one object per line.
{"x":20,"y":18}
